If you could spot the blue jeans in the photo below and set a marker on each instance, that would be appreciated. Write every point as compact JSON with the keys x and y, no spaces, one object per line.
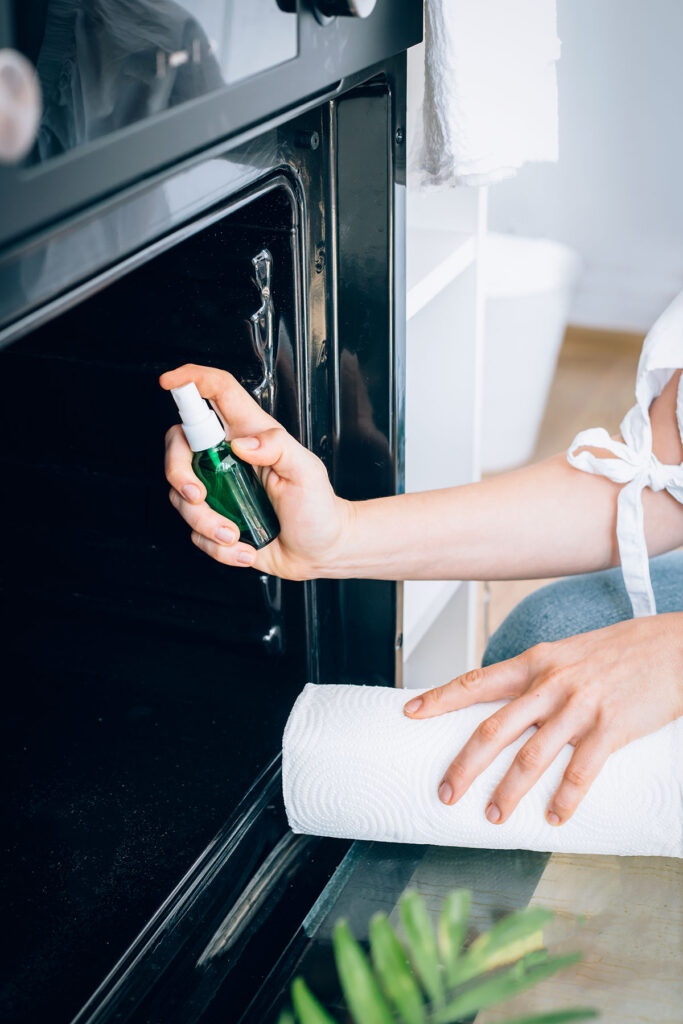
{"x":578,"y":604}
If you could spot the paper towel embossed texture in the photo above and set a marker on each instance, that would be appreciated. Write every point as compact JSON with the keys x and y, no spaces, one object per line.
{"x":355,"y":767}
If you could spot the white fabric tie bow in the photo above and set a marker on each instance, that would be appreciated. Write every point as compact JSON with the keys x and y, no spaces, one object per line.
{"x":635,"y":466}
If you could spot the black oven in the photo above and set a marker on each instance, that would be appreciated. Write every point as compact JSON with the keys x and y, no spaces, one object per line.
{"x":149,"y":875}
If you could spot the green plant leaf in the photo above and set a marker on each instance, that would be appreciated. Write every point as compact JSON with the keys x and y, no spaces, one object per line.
{"x":481,"y":979}
{"x":422,"y":944}
{"x":504,"y":985}
{"x":512,"y":928}
{"x":286,"y":1017}
{"x":452,"y":929}
{"x":364,"y":999}
{"x":501,"y":944}
{"x":393,"y":971}
{"x":308,"y":1009}
{"x":558,"y":1017}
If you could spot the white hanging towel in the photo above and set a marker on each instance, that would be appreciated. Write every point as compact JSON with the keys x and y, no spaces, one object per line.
{"x":634,"y":463}
{"x":490,"y":100}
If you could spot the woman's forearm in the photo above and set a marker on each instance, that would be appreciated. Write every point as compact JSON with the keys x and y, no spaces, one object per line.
{"x":548,"y":519}
{"x":543,"y":520}
{"x":516,"y":525}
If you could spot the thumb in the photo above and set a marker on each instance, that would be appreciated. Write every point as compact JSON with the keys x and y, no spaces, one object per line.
{"x":278,"y":450}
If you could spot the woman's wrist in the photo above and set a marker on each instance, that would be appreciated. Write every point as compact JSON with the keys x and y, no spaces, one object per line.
{"x":372,"y":542}
{"x":337,"y":562}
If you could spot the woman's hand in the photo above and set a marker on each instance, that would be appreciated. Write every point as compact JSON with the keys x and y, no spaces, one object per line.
{"x":597,"y":691}
{"x":312,"y":518}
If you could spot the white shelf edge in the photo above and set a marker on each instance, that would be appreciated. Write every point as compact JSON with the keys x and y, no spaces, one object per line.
{"x":417,"y":630}
{"x":433,"y":279}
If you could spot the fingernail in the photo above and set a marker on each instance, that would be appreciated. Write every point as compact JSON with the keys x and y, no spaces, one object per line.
{"x":445,"y":792}
{"x":413,"y":705}
{"x":191,"y":492}
{"x":247,"y":442}
{"x":226,"y":535}
{"x":493,"y":813}
{"x":553,"y":819}
{"x":245,"y":557}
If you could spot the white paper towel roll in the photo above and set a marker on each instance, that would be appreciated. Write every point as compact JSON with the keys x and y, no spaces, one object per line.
{"x":355,"y":767}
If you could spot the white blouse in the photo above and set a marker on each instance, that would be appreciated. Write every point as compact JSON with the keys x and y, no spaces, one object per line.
{"x":635,"y":464}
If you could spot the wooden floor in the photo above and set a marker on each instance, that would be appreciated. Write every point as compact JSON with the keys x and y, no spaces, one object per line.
{"x":629,"y":940}
{"x":624,"y":915}
{"x":593,"y":387}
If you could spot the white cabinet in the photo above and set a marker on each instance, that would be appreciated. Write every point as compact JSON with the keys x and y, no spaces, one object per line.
{"x":443,"y":400}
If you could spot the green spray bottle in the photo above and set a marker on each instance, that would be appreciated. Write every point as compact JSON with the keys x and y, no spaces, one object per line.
{"x":232,"y":485}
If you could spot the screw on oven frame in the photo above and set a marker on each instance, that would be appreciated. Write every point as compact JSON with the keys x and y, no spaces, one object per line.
{"x":319,"y":259}
{"x":306,"y":139}
{"x":400,"y":136}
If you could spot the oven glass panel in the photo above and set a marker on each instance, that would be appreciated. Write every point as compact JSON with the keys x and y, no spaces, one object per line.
{"x":106,"y":64}
{"x":145,"y":686}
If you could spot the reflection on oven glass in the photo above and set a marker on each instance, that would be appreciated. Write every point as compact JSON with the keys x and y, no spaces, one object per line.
{"x":262,"y":324}
{"x":105,"y":64}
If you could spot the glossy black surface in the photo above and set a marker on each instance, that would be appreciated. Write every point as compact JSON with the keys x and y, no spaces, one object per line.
{"x":149,"y":686}
{"x":105,"y":243}
{"x":104,"y":65}
{"x":366,"y":378}
{"x":171,"y":113}
{"x":211,"y":946}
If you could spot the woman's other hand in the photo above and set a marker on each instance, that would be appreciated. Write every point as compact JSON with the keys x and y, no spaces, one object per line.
{"x":313,"y":520}
{"x":596,"y":691}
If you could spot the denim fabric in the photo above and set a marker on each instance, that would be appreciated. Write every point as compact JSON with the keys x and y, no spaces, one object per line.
{"x":581,"y":603}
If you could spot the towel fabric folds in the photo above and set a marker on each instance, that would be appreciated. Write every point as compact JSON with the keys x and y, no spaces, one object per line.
{"x":490,"y":100}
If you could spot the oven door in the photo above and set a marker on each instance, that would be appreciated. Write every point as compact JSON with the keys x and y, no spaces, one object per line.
{"x":147,"y":686}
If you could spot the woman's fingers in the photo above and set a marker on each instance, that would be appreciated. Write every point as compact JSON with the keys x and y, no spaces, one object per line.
{"x":187,"y":497}
{"x":505,"y":679}
{"x":178,"y":466}
{"x":237,"y":554}
{"x":279,"y":451}
{"x":241,"y":412}
{"x":531,"y":760}
{"x":256,"y":437}
{"x":590,"y":755}
{"x":491,"y":736}
{"x":202,"y":519}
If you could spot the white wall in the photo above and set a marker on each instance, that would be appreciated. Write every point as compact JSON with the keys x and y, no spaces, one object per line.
{"x":616,"y":195}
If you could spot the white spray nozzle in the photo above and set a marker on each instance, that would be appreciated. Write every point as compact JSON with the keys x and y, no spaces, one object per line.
{"x":202,"y":427}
